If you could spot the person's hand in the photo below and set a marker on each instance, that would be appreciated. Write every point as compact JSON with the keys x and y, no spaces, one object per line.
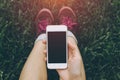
{"x":75,"y":65}
{"x":73,"y":72}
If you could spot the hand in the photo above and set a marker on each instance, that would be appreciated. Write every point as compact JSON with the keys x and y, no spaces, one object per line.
{"x":75,"y":65}
{"x":73,"y":72}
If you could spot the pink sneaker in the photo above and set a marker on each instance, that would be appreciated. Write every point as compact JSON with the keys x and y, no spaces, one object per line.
{"x":67,"y":17}
{"x":43,"y":18}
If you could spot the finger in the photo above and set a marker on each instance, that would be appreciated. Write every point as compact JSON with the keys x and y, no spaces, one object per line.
{"x":44,"y":41}
{"x":45,"y":58}
{"x":70,"y":50}
{"x":73,"y":50}
{"x":45,"y":52}
{"x":71,"y":46}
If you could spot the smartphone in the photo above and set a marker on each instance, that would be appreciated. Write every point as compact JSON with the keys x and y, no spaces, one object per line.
{"x":57,"y":46}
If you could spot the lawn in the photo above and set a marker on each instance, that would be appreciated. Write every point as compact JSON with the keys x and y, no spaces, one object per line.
{"x":98,"y":35}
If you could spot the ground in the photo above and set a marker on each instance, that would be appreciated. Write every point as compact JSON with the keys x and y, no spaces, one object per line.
{"x":98,"y":35}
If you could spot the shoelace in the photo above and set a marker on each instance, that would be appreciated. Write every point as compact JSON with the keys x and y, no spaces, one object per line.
{"x":68,"y":22}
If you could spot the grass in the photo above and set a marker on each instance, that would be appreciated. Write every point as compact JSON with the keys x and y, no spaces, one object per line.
{"x":98,"y":35}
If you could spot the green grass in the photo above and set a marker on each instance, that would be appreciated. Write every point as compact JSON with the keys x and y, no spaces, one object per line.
{"x":98,"y":35}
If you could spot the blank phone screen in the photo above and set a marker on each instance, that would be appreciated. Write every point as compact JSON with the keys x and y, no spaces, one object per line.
{"x":56,"y":47}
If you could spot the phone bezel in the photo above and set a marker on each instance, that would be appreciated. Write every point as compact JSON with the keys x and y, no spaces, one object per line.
{"x":57,"y":28}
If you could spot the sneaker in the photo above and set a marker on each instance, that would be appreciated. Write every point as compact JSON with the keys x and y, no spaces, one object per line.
{"x":67,"y":17}
{"x":43,"y":18}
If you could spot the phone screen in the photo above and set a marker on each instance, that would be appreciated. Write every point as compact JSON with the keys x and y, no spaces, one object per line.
{"x":56,"y":47}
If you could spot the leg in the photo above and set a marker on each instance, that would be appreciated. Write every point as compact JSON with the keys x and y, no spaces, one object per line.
{"x":35,"y":66}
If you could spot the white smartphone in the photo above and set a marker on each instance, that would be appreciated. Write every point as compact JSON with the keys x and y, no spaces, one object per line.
{"x":57,"y":50}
